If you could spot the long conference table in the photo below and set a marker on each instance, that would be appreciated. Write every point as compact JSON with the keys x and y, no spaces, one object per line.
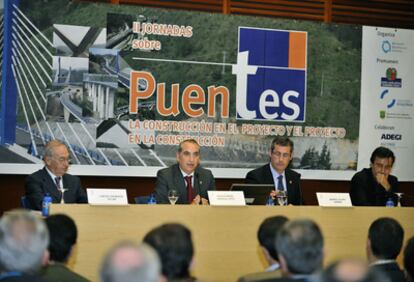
{"x":225,"y":238}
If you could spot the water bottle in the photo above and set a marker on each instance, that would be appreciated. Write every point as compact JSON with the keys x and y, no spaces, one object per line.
{"x":270,"y":201}
{"x":152,"y":200}
{"x":389,"y":203}
{"x":47,"y":200}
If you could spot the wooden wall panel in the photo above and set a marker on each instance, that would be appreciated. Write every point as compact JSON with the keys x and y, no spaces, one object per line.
{"x":309,"y":10}
{"x":390,"y":13}
{"x":196,"y":5}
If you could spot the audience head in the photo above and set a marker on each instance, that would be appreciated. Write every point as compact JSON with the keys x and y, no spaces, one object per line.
{"x":56,"y":157}
{"x":281,"y":153}
{"x":300,"y":247}
{"x":174,"y":246}
{"x":385,"y":239}
{"x":352,"y":270}
{"x":267,"y":235}
{"x":23,"y":242}
{"x":63,"y":235}
{"x":409,"y":260}
{"x":188,"y":155}
{"x":127,"y":261}
{"x":382,"y":160}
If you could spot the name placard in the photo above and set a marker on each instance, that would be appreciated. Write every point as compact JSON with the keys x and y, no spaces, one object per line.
{"x":226,"y":198}
{"x":334,"y":199}
{"x":112,"y":197}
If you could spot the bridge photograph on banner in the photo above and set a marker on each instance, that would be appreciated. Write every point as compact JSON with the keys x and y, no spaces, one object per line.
{"x":122,"y":86}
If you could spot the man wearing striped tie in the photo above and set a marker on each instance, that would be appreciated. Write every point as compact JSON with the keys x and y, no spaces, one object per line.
{"x":276,"y":172}
{"x":53,"y":179}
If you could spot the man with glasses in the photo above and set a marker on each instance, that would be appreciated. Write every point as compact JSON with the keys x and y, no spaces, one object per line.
{"x":186,"y":177}
{"x":374,"y":186}
{"x":276,"y":172}
{"x":53,"y":179}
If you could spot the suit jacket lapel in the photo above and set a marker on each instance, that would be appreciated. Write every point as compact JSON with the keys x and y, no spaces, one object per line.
{"x":268,"y":176}
{"x":180,"y":184}
{"x":50,"y":185}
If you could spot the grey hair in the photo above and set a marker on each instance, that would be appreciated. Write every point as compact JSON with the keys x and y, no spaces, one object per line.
{"x":300,"y":242}
{"x":23,"y":241}
{"x":50,"y":147}
{"x":146,"y":269}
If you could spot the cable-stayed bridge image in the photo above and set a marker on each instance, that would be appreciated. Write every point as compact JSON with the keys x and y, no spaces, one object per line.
{"x":49,"y":101}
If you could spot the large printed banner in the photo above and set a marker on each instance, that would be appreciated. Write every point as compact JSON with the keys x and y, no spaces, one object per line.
{"x":123,"y":85}
{"x":387,"y":96}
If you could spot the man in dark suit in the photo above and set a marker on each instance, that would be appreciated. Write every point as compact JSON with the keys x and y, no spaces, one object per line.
{"x":375,"y":185}
{"x":277,"y":173}
{"x":267,"y":235}
{"x":409,"y":260}
{"x":385,"y":239}
{"x":53,"y":179}
{"x":63,"y":236}
{"x":174,"y":244}
{"x":187,"y":177}
{"x":300,"y":247}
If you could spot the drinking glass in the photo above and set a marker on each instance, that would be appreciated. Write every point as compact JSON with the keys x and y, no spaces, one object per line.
{"x":281,"y":197}
{"x":172,"y":196}
{"x":399,"y":195}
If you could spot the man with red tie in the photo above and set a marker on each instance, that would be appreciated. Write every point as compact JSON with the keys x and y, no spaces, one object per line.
{"x":53,"y":179}
{"x":187,"y":177}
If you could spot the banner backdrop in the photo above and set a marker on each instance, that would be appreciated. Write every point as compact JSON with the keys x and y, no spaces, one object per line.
{"x":123,"y":85}
{"x":387,"y":96}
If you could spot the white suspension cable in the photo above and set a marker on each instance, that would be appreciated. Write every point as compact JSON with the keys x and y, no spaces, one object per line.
{"x":138,"y":157}
{"x":80,"y":142}
{"x":25,"y":113}
{"x":47,"y":74}
{"x":31,"y":42}
{"x":30,"y":23}
{"x":28,"y":59}
{"x":108,"y":162}
{"x":29,"y":72}
{"x":28,"y":100}
{"x":156,"y":156}
{"x":120,"y":156}
{"x":32,"y":92}
{"x":94,"y":141}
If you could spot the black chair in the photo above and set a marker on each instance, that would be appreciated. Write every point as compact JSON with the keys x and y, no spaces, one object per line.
{"x":24,"y":202}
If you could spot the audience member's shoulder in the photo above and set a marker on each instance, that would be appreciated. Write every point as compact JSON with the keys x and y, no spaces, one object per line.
{"x":24,"y":278}
{"x":260,"y":276}
{"x":60,"y":273}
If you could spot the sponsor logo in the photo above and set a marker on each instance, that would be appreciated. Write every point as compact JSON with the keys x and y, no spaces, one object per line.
{"x":391,"y":102}
{"x":271,"y":75}
{"x":386,"y":136}
{"x":386,"y":46}
{"x":390,"y":79}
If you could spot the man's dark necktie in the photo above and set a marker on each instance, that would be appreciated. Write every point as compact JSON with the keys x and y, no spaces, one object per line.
{"x":280,"y":183}
{"x":189,"y":188}
{"x":57,"y":181}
